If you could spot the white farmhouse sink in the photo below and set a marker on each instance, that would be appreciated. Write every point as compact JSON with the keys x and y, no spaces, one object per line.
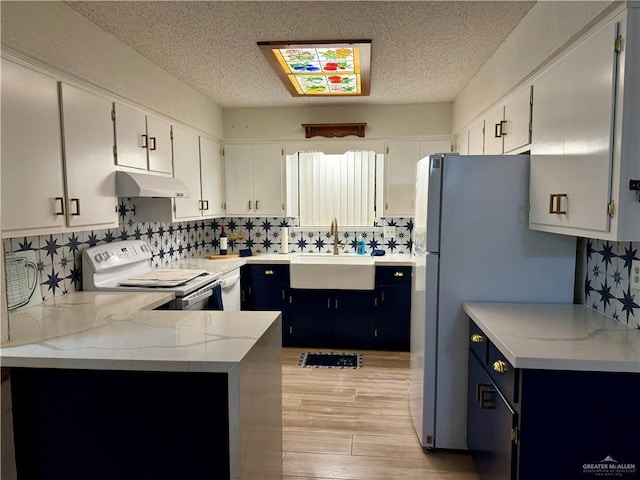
{"x":332,"y":272}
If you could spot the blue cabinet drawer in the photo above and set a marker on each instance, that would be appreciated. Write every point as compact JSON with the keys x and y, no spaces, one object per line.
{"x":270,"y":273}
{"x":393,"y":275}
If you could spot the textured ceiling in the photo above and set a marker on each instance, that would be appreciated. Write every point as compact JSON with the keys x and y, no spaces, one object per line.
{"x":422,"y":51}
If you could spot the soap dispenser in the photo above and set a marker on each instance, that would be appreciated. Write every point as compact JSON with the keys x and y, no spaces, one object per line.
{"x":360,"y":246}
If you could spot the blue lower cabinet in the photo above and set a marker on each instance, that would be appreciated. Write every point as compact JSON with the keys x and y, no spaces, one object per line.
{"x":528,"y":424}
{"x":490,"y":425}
{"x":392,"y":308}
{"x":378,"y":319}
{"x":331,"y":319}
{"x":266,"y":287}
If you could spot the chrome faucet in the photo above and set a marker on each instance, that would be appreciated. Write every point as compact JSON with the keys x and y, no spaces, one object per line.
{"x":333,"y":230}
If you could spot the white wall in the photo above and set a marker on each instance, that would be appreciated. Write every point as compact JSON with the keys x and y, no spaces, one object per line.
{"x":56,"y":36}
{"x":545,"y":29}
{"x":383,"y":121}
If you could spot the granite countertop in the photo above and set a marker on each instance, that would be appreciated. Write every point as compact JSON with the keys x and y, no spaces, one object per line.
{"x":121,"y":331}
{"x":558,"y":337}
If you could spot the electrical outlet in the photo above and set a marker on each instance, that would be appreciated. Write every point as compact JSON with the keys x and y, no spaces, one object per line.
{"x":635,"y":274}
{"x":389,"y":231}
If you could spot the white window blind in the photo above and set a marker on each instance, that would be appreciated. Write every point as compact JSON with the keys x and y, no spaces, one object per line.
{"x":337,"y":186}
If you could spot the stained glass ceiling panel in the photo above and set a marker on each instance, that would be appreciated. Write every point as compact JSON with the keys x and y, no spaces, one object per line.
{"x":321,"y":68}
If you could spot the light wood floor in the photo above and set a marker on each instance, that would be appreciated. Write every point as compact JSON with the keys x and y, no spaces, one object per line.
{"x":355,"y":424}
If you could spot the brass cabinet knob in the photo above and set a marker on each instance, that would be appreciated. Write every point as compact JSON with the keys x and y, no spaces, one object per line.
{"x":477,"y":338}
{"x":500,"y":366}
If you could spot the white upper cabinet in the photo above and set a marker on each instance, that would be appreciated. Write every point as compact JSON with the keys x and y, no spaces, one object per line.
{"x":186,"y":162}
{"x":159,"y":145}
{"x":476,"y":138}
{"x":516,"y":125}
{"x":212,"y":178}
{"x":32,"y":181}
{"x":254,"y":179}
{"x":400,"y":178}
{"x":197,"y":163}
{"x":142,"y":141}
{"x":492,"y":134}
{"x":400,"y":173}
{"x":585,"y":136}
{"x":508,"y":126}
{"x":50,"y":182}
{"x":88,"y":156}
{"x":462,"y":143}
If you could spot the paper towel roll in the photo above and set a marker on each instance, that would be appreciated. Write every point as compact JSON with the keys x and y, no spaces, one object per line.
{"x":284,"y":239}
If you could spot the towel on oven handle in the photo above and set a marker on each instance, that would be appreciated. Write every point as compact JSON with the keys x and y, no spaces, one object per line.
{"x":216,"y":300}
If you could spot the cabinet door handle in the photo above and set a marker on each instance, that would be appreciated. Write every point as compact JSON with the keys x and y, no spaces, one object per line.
{"x":398,"y":274}
{"x":61,"y":211}
{"x":153,"y":143}
{"x":206,"y":204}
{"x":257,"y":204}
{"x":144,"y":141}
{"x":480,"y":387}
{"x":199,"y":204}
{"x":283,"y":295}
{"x":559,"y":209}
{"x":249,"y":204}
{"x":487,"y":399}
{"x":268,"y":272}
{"x":382,"y":296}
{"x":375,"y":301}
{"x":500,"y":366}
{"x":497,"y":130}
{"x":503,"y":128}
{"x":77,"y":202}
{"x":477,"y":338}
{"x":336,"y":304}
{"x":328,"y":303}
{"x":555,"y":203}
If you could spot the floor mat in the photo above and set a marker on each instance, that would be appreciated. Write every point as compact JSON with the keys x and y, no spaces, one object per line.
{"x":330,"y":360}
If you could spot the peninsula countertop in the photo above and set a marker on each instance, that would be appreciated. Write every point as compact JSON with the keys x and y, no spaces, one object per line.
{"x":558,"y":337}
{"x":121,"y":331}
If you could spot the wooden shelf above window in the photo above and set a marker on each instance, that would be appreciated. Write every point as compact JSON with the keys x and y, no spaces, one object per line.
{"x":330,"y":130}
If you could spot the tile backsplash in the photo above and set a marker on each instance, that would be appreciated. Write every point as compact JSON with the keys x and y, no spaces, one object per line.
{"x":607,"y":285}
{"x":607,"y":265}
{"x":59,"y":256}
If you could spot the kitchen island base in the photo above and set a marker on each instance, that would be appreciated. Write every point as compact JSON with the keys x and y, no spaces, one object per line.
{"x":79,"y":424}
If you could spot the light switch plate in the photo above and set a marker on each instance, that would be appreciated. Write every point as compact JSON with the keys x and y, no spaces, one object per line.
{"x":635,"y":274}
{"x":389,"y":231}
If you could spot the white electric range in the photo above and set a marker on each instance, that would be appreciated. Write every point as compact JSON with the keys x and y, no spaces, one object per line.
{"x":126,"y":266}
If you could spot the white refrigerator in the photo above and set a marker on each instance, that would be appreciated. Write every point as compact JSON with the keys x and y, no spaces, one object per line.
{"x":471,"y":242}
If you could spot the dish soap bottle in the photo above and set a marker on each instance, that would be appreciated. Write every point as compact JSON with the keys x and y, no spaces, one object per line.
{"x":360,"y":246}
{"x":223,"y":242}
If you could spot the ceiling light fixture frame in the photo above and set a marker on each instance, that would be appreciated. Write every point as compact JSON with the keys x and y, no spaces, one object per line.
{"x":362,"y":64}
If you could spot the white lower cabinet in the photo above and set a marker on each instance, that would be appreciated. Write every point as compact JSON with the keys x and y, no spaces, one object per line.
{"x":254,"y":179}
{"x":585,"y":136}
{"x":51,"y":182}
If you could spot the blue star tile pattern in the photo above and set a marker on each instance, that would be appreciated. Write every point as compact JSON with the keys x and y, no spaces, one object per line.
{"x":607,"y":286}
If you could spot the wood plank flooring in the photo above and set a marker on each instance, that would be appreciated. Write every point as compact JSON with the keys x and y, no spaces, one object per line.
{"x":355,"y":424}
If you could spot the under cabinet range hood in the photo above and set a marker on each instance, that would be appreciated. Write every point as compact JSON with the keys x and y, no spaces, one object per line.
{"x":130,"y":184}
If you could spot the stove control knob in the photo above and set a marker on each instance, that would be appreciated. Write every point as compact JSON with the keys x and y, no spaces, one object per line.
{"x":105,"y":255}
{"x":98,"y":257}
